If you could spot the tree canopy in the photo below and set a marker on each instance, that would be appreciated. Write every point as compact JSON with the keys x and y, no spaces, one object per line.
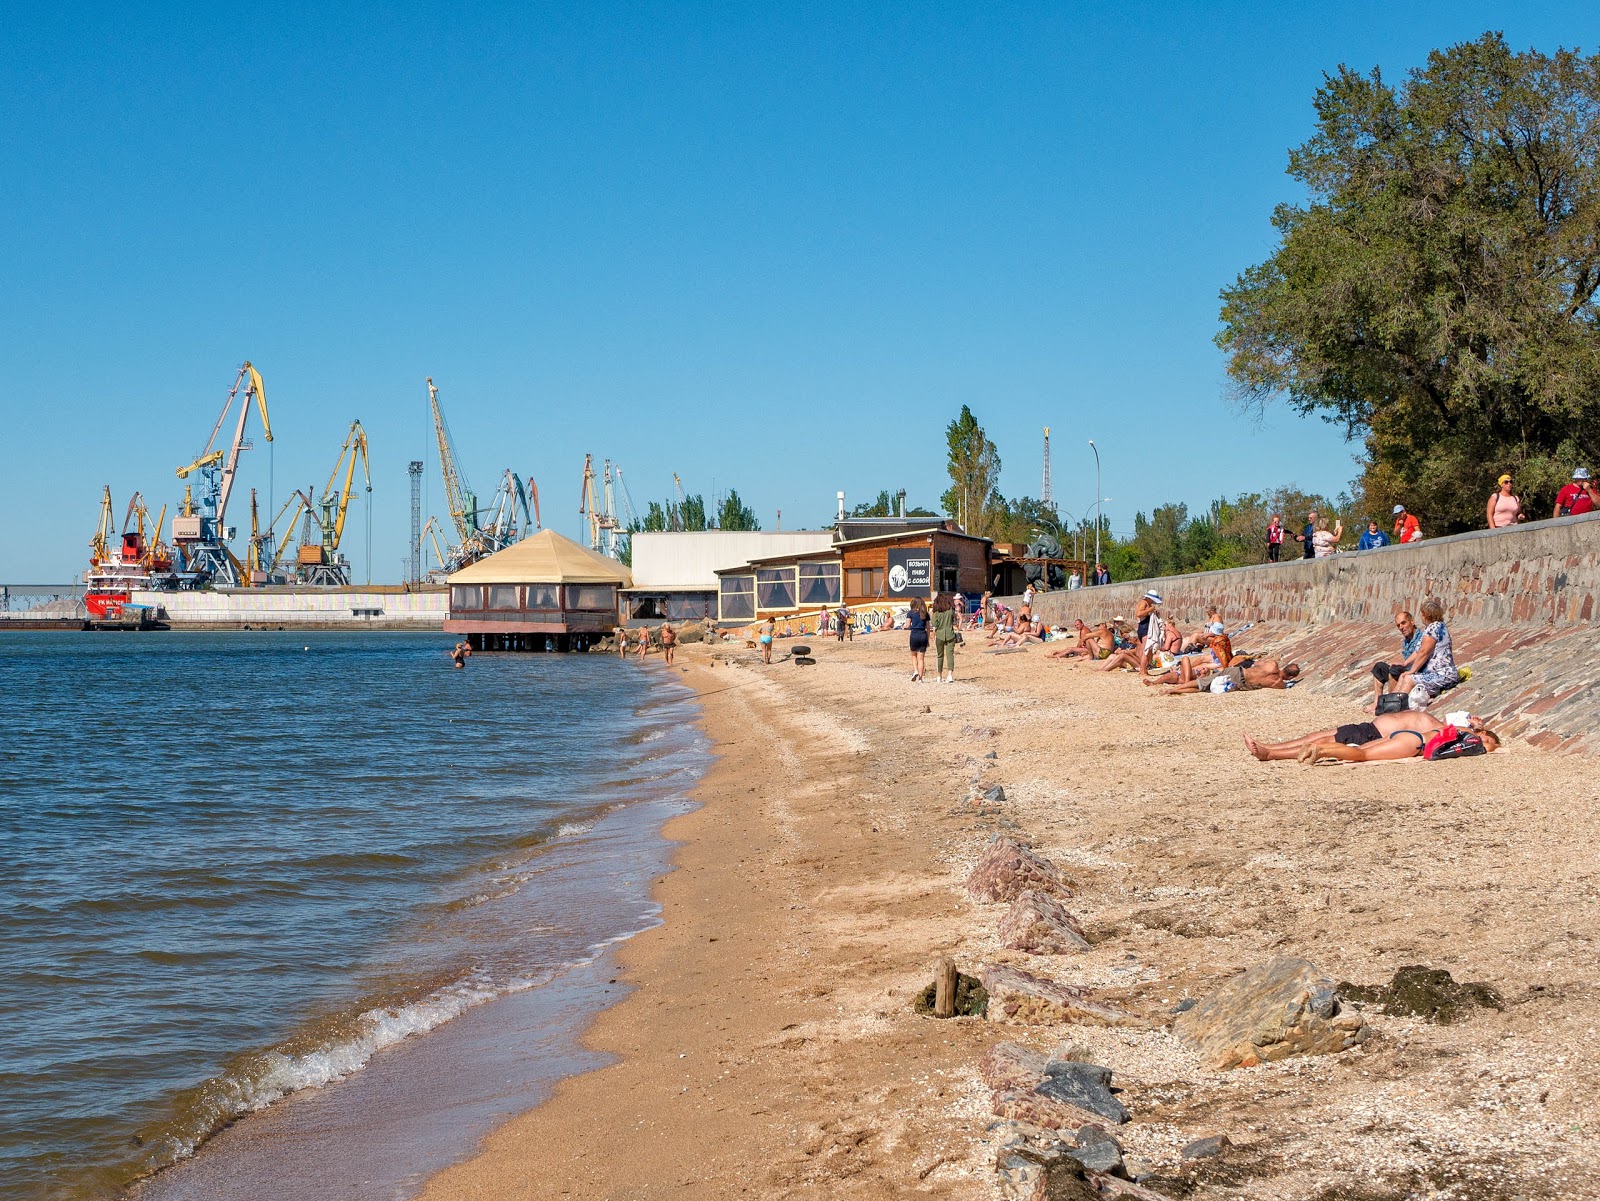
{"x":734,"y":514}
{"x":1436,"y":296}
{"x":973,"y":497}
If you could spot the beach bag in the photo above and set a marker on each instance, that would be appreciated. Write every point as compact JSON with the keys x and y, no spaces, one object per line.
{"x":1451,"y":743}
{"x":1221,"y":684}
{"x":1393,"y":702}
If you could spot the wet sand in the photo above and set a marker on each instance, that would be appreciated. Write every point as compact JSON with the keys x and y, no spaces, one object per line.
{"x":769,"y":1047}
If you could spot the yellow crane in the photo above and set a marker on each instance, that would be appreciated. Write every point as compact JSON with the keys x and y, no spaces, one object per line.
{"x":587,"y":507}
{"x":458,"y":494}
{"x":100,"y":544}
{"x":203,"y":536}
{"x":431,"y":531}
{"x":321,"y":563}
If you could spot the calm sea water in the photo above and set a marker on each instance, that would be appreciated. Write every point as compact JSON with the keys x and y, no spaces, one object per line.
{"x":237,"y":866}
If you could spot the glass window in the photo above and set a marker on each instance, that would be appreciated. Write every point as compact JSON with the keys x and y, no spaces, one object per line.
{"x":504,"y":596}
{"x":775,"y":588}
{"x":543,"y":596}
{"x":737,"y":597}
{"x":466,"y":596}
{"x":691,"y":606}
{"x":819,"y":583}
{"x":864,"y":581}
{"x":591,"y":596}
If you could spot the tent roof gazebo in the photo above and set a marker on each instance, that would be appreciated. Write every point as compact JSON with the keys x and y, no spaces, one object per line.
{"x":545,"y":558}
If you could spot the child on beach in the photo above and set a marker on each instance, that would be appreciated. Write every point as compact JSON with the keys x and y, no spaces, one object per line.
{"x":768,"y":632}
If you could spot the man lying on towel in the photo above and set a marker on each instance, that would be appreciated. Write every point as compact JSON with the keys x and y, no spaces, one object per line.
{"x":1386,"y":737}
{"x":1243,"y":675}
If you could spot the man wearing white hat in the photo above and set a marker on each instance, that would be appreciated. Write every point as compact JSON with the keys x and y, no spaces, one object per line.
{"x":1406,"y":528}
{"x":1580,"y":496}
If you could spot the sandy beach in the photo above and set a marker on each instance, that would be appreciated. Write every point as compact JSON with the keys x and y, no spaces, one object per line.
{"x":769,"y":1048}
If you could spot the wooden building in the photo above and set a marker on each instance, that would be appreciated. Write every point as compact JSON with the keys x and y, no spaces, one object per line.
{"x":882,"y":569}
{"x":545,"y":593}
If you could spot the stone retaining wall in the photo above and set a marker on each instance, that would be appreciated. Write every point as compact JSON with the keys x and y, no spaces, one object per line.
{"x":1520,"y":603}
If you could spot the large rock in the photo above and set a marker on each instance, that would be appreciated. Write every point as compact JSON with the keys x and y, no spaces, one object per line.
{"x":1029,"y":1000}
{"x":1007,"y":869}
{"x":1038,"y":924}
{"x":1044,"y":1174}
{"x":1006,"y":1065}
{"x":1272,"y":1011}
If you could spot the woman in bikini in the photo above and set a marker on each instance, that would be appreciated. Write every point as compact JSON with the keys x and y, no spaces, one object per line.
{"x":768,"y":632}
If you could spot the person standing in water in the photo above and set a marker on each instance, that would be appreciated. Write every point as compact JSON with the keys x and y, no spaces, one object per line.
{"x":669,"y":639}
{"x":918,"y":622}
{"x":458,"y":656}
{"x":944,"y":639}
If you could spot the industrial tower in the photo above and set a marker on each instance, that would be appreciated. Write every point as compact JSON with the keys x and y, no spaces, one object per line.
{"x":1045,"y":497}
{"x":415,"y":471}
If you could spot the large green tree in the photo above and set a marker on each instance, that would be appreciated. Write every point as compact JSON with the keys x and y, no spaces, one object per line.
{"x":1436,"y":295}
{"x":734,"y":514}
{"x":973,"y":497}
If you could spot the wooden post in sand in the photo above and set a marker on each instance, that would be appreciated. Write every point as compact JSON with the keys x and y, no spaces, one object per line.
{"x":944,"y":989}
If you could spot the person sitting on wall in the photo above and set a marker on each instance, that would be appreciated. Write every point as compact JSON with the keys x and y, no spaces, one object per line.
{"x":1242,"y":675}
{"x":1409,"y":729}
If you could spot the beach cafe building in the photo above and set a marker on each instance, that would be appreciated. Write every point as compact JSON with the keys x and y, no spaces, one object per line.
{"x":545,"y":593}
{"x":876,"y":569}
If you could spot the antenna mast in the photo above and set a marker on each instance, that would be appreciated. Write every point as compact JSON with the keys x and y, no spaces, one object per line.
{"x":1045,"y":497}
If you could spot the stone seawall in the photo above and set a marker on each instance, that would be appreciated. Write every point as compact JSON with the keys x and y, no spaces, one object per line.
{"x":1520,"y":603}
{"x":379,"y":607}
{"x":1545,"y":573}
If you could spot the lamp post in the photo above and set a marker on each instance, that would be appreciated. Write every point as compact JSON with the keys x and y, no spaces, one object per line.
{"x":1096,"y":450}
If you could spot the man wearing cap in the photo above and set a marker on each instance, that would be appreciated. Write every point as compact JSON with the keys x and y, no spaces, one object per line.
{"x":1580,"y":496}
{"x":1406,"y":528}
{"x":1372,"y":537}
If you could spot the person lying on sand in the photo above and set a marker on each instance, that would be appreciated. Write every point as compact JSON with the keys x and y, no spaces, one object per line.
{"x":1215,"y":654}
{"x":1387,"y":737}
{"x":1243,"y":675}
{"x":1026,"y":632}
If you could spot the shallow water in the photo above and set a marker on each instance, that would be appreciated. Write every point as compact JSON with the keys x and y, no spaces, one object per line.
{"x":236,"y":866}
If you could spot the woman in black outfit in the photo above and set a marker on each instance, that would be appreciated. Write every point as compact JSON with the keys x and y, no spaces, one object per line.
{"x":919,"y":637}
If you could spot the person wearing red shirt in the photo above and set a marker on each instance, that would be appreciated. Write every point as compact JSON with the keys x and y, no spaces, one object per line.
{"x":1406,"y":528}
{"x":1580,"y":496}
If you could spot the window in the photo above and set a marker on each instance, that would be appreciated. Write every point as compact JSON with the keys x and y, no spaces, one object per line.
{"x":737,"y":597}
{"x":647,"y":608}
{"x":591,"y":596}
{"x":466,"y":596}
{"x":504,"y":596}
{"x":543,"y":596}
{"x":691,"y":606}
{"x":864,"y":581}
{"x":819,"y":583}
{"x":775,"y":588}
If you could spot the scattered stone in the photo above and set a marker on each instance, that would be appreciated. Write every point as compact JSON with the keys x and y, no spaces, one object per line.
{"x":1086,"y":1085}
{"x":1007,"y":869}
{"x":1030,"y":1000}
{"x":971,"y":999}
{"x":1277,"y":1009}
{"x":1030,"y":1105}
{"x":1425,"y":992}
{"x":1043,"y":1174}
{"x":1098,"y":1151}
{"x":1038,"y":924}
{"x":995,"y":795}
{"x":992,"y":755}
{"x":1006,"y":1066}
{"x":979,"y":731}
{"x":1185,"y":1005}
{"x":1205,"y":1148}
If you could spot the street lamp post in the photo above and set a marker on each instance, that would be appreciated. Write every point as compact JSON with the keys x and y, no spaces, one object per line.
{"x":1096,"y":450}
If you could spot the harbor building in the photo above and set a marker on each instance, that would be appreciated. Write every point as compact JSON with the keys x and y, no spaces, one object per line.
{"x":544,"y":593}
{"x":675,"y":571}
{"x":873,"y":561}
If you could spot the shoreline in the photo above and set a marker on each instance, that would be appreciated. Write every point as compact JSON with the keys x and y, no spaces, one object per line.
{"x":767,"y":1045}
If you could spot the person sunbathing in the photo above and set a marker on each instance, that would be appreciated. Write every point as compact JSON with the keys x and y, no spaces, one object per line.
{"x":1025,"y":633}
{"x":1242,"y":675}
{"x":1387,"y":737}
{"x":1089,"y":644}
{"x":1214,"y":655}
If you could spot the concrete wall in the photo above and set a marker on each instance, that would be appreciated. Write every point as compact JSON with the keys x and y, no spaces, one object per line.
{"x":1544,"y":573}
{"x":692,"y":558}
{"x":304,"y":608}
{"x":1520,"y":604}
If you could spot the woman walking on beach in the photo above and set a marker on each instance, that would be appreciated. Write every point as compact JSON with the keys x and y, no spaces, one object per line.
{"x":919,"y":638}
{"x":944,"y":639}
{"x":768,"y":633}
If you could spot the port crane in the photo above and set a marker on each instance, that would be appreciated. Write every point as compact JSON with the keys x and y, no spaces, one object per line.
{"x":479,"y":531}
{"x":589,"y":505}
{"x":430,"y":531}
{"x":318,"y":560}
{"x":201,"y":532}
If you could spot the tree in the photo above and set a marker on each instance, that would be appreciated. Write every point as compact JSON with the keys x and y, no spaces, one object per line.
{"x":888,"y":505}
{"x":1437,"y":295}
{"x":656,"y":516}
{"x":972,"y":498}
{"x":734,"y":514}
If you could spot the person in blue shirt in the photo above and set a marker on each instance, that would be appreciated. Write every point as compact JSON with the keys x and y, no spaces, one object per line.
{"x":1372,"y":537}
{"x":1383,"y":674}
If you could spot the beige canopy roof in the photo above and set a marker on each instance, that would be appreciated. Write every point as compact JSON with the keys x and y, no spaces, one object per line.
{"x":545,"y":558}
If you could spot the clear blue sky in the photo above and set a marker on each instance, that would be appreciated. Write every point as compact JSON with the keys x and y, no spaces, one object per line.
{"x":768,"y":247}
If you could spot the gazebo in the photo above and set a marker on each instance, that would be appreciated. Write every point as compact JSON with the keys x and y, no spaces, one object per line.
{"x":545,"y":593}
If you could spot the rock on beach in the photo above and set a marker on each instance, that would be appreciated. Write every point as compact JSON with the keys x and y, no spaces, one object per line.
{"x":1029,"y":1000}
{"x":1277,"y":1009}
{"x":1038,"y":924}
{"x":1007,"y":869}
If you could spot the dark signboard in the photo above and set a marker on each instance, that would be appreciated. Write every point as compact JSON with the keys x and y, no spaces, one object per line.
{"x":911,"y":572}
